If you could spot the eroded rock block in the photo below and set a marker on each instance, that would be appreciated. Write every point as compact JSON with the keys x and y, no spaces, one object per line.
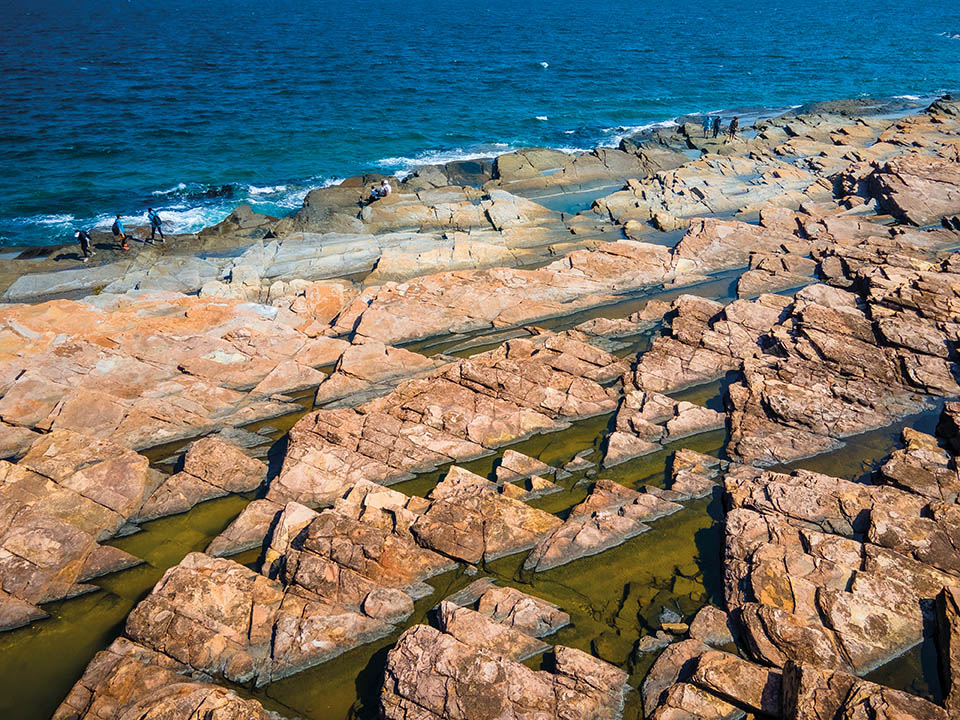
{"x":611,"y":515}
{"x":432,"y":675}
{"x":129,"y":680}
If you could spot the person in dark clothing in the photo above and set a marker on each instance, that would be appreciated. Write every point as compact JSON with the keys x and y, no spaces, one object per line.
{"x":154,"y":217}
{"x":119,"y":233}
{"x":716,"y":126}
{"x":84,"y":239}
{"x":706,"y":125}
{"x":734,"y":126}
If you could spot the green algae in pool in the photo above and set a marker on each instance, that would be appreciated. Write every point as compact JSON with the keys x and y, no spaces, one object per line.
{"x":613,"y":598}
{"x":861,"y":454}
{"x":41,"y":662}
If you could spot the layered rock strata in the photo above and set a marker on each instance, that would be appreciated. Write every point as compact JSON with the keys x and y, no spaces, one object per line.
{"x":522,"y":387}
{"x":469,"y":669}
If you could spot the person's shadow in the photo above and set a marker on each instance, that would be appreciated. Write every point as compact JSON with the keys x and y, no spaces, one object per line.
{"x":68,"y":256}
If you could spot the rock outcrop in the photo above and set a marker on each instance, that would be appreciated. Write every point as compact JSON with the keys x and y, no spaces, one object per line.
{"x":461,"y":412}
{"x":130,"y":681}
{"x":220,"y":618}
{"x":437,"y":676}
{"x":611,"y":515}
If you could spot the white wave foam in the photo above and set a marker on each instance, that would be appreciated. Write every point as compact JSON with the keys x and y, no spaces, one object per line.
{"x":544,"y":65}
{"x":623,"y":131}
{"x":542,"y":117}
{"x":179,"y":187}
{"x":45,"y":220}
{"x":403,"y":166}
{"x":266,"y":189}
{"x":177,"y":219}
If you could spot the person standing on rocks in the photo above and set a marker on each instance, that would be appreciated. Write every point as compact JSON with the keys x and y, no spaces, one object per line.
{"x":120,"y":234}
{"x":734,"y":126}
{"x":716,"y":126}
{"x":706,"y":125}
{"x":154,"y":217}
{"x":84,"y":239}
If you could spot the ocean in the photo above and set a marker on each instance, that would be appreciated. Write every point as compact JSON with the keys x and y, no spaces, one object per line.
{"x":195,"y":107}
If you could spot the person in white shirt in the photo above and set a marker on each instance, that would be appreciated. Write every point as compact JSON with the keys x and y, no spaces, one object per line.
{"x":385,"y":188}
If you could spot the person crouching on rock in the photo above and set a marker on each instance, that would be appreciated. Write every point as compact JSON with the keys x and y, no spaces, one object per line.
{"x":120,"y":234}
{"x":154,"y":217}
{"x":385,"y":188}
{"x":374,"y":194}
{"x":734,"y":126}
{"x":84,"y":239}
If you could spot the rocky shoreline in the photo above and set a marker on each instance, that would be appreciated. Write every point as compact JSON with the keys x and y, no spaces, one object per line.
{"x":293,"y":363}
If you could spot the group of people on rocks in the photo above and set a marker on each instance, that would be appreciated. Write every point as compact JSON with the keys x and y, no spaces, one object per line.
{"x":156,"y":226}
{"x":379,"y":191}
{"x":717,"y":125}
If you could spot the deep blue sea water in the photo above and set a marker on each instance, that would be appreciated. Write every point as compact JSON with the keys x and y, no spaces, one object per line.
{"x":195,"y":106}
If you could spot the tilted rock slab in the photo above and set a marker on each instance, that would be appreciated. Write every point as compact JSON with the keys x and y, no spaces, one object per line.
{"x":826,"y":571}
{"x":220,"y":618}
{"x":431,"y":675}
{"x":470,"y":521}
{"x":611,"y":515}
{"x":128,"y":681}
{"x":458,"y":413}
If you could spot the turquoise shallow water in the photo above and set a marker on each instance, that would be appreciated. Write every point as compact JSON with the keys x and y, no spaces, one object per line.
{"x":196,"y":107}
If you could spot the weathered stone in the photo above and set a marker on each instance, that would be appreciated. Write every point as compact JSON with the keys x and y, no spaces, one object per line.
{"x":918,"y":189}
{"x":684,"y":701}
{"x":247,"y":531}
{"x":739,"y":681}
{"x":433,"y":675}
{"x":674,"y":664}
{"x":711,"y":626}
{"x":948,"y":646}
{"x":611,"y":515}
{"x":342,"y":560}
{"x":527,"y":613}
{"x":813,"y":693}
{"x":221,"y":618}
{"x":469,"y":520}
{"x":516,"y":466}
{"x":484,"y":633}
{"x":211,"y":468}
{"x":128,"y":680}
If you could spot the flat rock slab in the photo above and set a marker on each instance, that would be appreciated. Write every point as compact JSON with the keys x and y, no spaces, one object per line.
{"x":611,"y":515}
{"x":517,"y":466}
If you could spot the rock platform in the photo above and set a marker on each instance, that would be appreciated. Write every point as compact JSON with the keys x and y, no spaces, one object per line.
{"x":389,"y":476}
